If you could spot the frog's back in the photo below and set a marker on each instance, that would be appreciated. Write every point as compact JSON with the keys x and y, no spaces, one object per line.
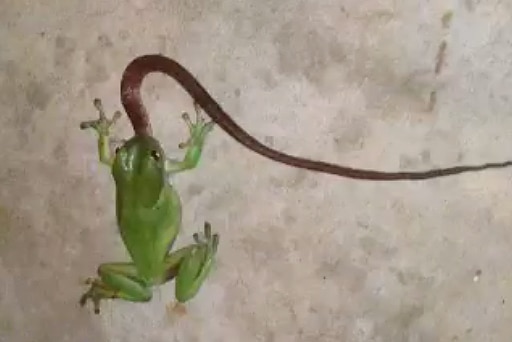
{"x":148,"y":233}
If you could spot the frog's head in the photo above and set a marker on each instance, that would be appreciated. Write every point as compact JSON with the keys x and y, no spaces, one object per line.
{"x":139,"y":169}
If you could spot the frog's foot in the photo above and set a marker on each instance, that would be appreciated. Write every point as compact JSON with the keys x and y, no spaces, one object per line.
{"x":101,"y":125}
{"x":198,"y":130}
{"x":211,"y":242}
{"x":195,"y":264}
{"x":96,"y":292}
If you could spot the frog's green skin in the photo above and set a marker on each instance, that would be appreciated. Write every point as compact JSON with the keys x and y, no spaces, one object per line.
{"x":148,"y":212}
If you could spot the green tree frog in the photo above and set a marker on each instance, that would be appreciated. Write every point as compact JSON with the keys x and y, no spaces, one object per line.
{"x":149,"y":214}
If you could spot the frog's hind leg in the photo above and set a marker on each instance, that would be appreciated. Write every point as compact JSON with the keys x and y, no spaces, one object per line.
{"x":191,"y":265}
{"x":116,"y":280}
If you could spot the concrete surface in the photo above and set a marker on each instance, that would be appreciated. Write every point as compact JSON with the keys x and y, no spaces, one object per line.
{"x":303,"y":256}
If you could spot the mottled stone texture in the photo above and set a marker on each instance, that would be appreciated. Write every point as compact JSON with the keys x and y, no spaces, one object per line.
{"x":406,"y":85}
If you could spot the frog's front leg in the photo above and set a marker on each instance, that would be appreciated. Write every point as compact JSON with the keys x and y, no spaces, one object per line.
{"x":190,"y":266}
{"x":198,"y":131}
{"x":102,"y":127}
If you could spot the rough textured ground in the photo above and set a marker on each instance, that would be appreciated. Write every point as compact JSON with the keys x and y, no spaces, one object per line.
{"x":303,"y":256}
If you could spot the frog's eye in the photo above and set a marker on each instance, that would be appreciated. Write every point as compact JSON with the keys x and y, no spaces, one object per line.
{"x":155,"y":155}
{"x":117,"y":149}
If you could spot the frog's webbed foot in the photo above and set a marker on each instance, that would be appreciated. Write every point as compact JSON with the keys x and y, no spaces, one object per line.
{"x":198,"y":130}
{"x":208,"y":240}
{"x":103,"y":124}
{"x":97,"y":291}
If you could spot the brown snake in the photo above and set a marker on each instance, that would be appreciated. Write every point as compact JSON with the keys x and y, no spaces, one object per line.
{"x":141,"y":66}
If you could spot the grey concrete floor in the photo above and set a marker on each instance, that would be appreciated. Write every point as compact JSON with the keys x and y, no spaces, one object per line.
{"x":303,"y":256}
